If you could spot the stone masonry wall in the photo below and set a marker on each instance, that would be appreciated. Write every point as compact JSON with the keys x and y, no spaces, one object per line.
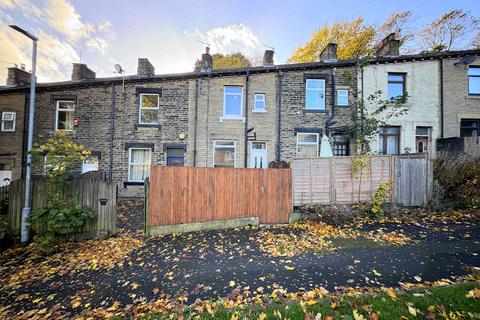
{"x":93,"y":110}
{"x":294,"y":115}
{"x":210,"y":110}
{"x":457,"y":103}
{"x":11,"y":143}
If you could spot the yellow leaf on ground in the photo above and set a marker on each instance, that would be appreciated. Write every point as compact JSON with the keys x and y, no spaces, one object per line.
{"x":391,"y":293}
{"x":114,"y":306}
{"x":412,"y":311}
{"x":289,"y":268}
{"x":357,"y":316}
{"x":232,"y":283}
{"x":262,"y":316}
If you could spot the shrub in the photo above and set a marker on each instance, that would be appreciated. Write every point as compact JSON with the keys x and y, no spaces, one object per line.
{"x":380,"y":198}
{"x":59,"y":217}
{"x":458,"y":180}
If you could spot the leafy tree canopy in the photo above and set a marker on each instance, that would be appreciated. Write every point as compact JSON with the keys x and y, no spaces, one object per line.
{"x":353,"y":38}
{"x":228,"y":61}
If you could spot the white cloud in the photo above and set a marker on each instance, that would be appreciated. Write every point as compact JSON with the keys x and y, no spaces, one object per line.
{"x":229,"y":39}
{"x":98,"y":44}
{"x":62,"y":16}
{"x":61,"y":31}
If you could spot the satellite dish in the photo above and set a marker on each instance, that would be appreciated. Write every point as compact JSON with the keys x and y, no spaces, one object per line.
{"x":466,"y":60}
{"x":118,"y":68}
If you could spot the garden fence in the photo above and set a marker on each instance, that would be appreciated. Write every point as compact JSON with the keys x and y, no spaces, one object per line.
{"x":90,"y":190}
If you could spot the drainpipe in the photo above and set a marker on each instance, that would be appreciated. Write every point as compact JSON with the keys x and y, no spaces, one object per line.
{"x":441,"y":99}
{"x":22,"y":174}
{"x":197,"y":87}
{"x":279,"y":121}
{"x":247,"y":76}
{"x":112,"y":134}
{"x":363,"y":106}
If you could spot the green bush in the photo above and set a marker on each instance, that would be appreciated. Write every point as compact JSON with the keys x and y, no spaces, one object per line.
{"x":458,"y":180}
{"x":58,"y":219}
{"x":380,"y":198}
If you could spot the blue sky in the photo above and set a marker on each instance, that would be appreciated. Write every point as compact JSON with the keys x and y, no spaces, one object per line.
{"x":104,"y":32}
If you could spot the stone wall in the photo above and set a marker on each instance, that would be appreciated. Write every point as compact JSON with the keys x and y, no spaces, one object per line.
{"x":457,"y":103}
{"x":11,"y":143}
{"x":93,"y":109}
{"x":210,"y":110}
{"x":295,"y":118}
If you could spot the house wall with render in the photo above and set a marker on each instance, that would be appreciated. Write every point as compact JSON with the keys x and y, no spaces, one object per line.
{"x":423,"y":88}
{"x":458,"y":104}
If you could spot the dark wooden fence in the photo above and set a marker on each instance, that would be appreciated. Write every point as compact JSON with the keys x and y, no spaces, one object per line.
{"x":181,"y":195}
{"x":90,"y":189}
{"x":4,"y":193}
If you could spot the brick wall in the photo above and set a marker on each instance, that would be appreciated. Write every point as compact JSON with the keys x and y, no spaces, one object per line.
{"x":457,"y":103}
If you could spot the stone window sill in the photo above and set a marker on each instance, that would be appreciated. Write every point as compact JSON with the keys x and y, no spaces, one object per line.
{"x":314,"y":111}
{"x":473,"y":96}
{"x":259,"y":111}
{"x":237,"y":118}
{"x":146,"y":125}
{"x":133,"y":183}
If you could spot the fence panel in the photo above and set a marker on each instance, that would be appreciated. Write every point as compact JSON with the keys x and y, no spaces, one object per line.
{"x":90,"y":190}
{"x":412,"y":180}
{"x":183,"y":195}
{"x":332,"y":181}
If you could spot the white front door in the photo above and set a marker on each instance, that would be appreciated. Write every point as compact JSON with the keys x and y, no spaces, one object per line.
{"x":258,"y":155}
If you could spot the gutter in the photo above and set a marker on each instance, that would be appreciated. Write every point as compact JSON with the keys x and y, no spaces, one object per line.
{"x":247,"y":78}
{"x":279,"y":121}
{"x":112,"y":134}
{"x":197,"y":88}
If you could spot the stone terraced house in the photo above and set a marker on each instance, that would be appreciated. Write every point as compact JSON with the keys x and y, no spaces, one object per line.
{"x":238,"y":117}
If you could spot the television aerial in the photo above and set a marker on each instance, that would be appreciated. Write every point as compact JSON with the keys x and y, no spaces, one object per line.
{"x":465,"y":60}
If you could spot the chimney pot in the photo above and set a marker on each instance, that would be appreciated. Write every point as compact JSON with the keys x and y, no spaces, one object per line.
{"x":329,"y":53}
{"x":268,"y":58}
{"x":389,"y":47}
{"x":18,"y":76}
{"x":145,"y":68}
{"x":80,"y":71}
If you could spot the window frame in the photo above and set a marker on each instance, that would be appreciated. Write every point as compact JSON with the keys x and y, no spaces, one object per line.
{"x":385,"y":140}
{"x":84,"y":164}
{"x":307,"y":143}
{"x":472,"y":76}
{"x":337,"y":145}
{"x":322,"y":108}
{"x":234,"y":147}
{"x":255,"y":100}
{"x":57,"y":111}
{"x":225,"y":94}
{"x":130,"y":162}
{"x":14,"y":118}
{"x":403,"y":82}
{"x":336,"y":98}
{"x":477,"y":127}
{"x":140,"y":107}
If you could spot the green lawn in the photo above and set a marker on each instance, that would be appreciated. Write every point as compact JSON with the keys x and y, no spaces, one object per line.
{"x":446,"y":302}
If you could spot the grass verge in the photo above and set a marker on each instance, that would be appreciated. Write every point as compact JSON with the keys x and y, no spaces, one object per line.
{"x":446,"y":302}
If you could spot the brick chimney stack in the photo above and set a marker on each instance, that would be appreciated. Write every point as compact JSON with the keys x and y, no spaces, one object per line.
{"x":80,"y":71}
{"x":389,"y":47}
{"x":207,"y":61}
{"x":329,"y":54}
{"x":145,"y":68}
{"x":268,"y":58}
{"x":18,"y":76}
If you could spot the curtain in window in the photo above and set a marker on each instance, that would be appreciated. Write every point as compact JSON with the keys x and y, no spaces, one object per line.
{"x":139,"y":164}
